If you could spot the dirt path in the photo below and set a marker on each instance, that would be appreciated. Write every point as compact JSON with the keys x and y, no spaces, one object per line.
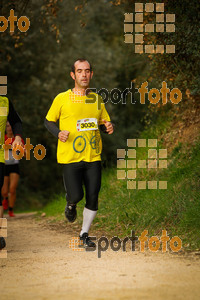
{"x":40,"y":265}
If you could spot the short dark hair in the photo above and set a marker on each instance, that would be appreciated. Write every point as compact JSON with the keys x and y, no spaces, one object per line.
{"x":81,"y":60}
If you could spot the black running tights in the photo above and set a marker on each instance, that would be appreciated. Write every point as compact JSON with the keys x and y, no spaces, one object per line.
{"x":77,"y":174}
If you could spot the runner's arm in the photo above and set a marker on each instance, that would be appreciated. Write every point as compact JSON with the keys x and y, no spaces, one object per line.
{"x":14,"y":120}
{"x":51,"y":127}
{"x":103,"y":128}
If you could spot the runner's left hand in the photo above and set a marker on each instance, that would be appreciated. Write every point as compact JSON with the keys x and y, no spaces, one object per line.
{"x":17,"y":141}
{"x":109,"y":126}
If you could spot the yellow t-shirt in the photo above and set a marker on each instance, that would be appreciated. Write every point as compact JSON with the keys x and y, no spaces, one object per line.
{"x":72,"y":110}
{"x":4,"y":110}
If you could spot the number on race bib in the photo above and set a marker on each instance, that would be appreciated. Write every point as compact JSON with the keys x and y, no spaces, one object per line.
{"x":87,"y":124}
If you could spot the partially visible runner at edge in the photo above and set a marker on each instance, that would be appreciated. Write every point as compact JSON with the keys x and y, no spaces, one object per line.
{"x":7,"y":112}
{"x":79,"y":144}
{"x":11,"y":174}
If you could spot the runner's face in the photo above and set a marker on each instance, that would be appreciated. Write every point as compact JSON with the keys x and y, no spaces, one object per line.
{"x":83,"y":74}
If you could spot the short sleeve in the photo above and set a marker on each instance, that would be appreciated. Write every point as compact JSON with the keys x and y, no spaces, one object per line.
{"x":54,"y":111}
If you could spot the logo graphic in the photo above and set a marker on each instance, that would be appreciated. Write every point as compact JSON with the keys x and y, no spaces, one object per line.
{"x":127,"y":164}
{"x":93,"y":139}
{"x":3,"y":85}
{"x":74,"y":243}
{"x":163,"y":23}
{"x":3,"y":233}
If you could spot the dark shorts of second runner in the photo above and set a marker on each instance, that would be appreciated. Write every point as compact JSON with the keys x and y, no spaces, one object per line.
{"x":11,"y":169}
{"x":77,"y":174}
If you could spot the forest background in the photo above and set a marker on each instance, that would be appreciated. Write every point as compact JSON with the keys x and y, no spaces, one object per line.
{"x":37,"y":64}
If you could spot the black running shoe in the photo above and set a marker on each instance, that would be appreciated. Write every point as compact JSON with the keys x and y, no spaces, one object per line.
{"x":87,"y":242}
{"x":70,"y":212}
{"x":2,"y":243}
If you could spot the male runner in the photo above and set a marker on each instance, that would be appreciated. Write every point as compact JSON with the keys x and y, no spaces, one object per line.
{"x":7,"y":112}
{"x":79,"y":143}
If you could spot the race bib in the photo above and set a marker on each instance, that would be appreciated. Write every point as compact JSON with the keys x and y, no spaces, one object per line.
{"x":87,"y":124}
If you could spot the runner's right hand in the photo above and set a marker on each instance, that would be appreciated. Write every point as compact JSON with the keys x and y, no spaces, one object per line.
{"x":63,"y":135}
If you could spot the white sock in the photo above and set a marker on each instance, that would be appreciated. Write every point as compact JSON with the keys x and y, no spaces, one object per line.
{"x":88,"y":217}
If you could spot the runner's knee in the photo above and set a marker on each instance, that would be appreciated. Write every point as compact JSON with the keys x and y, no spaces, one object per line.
{"x":4,"y":193}
{"x":12,"y":190}
{"x":75,"y":197}
{"x":92,"y":206}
